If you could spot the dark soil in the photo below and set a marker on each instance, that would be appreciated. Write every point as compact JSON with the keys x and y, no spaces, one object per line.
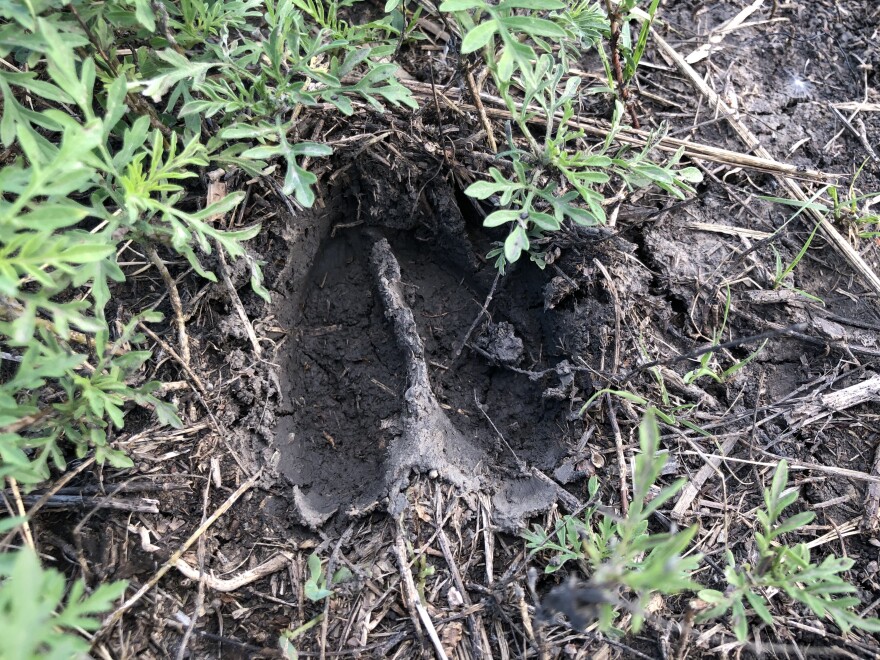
{"x":346,"y":378}
{"x":323,"y":412}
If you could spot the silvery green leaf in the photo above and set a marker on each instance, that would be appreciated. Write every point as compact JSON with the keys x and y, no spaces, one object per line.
{"x":479,"y":36}
{"x":461,"y":5}
{"x":516,"y":243}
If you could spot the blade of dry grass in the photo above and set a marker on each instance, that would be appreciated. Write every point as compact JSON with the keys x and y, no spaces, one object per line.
{"x":411,"y":595}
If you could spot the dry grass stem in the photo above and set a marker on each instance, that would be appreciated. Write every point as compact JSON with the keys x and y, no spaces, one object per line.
{"x":176,"y":305}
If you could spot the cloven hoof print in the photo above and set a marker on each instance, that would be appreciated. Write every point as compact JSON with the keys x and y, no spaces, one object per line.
{"x":439,"y":329}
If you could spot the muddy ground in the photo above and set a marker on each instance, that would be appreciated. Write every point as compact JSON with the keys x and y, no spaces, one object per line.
{"x":378,"y":426}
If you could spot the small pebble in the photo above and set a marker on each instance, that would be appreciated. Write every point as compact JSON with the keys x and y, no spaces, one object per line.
{"x":453,"y":596}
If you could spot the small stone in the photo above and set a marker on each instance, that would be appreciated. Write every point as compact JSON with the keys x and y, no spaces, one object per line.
{"x":564,"y":473}
{"x":433,"y":474}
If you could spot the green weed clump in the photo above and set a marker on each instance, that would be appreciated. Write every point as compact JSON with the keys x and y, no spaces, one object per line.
{"x":619,"y":554}
{"x":625,"y":562}
{"x":529,"y":47}
{"x":784,"y":568}
{"x":108,"y":111}
{"x":39,"y":616}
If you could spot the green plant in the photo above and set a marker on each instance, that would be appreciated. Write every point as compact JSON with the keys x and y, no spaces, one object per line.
{"x":667,"y":415}
{"x":288,"y":637}
{"x":296,"y":67}
{"x":37,"y":618}
{"x":585,"y":24}
{"x":625,"y":564}
{"x":633,"y":52}
{"x":618,"y":554}
{"x":108,"y":109}
{"x":782,"y":273}
{"x":786,"y":569}
{"x":526,"y":46}
{"x":99,"y":164}
{"x":317,"y":586}
{"x":47,"y":252}
{"x":426,"y":570}
{"x":853,"y":207}
{"x":325,"y":14}
{"x":706,"y":368}
{"x":482,"y":22}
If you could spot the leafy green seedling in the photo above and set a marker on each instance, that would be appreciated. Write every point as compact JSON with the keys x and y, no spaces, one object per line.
{"x":317,"y":587}
{"x":288,"y":637}
{"x":39,"y":617}
{"x":618,"y":554}
{"x":787,"y":569}
{"x":705,"y":360}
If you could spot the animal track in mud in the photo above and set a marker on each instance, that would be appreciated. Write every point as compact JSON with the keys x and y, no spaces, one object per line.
{"x":346,"y":432}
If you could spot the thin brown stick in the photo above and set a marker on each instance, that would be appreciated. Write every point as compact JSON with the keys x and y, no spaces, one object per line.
{"x":532,"y":634}
{"x":871,"y":520}
{"x":19,"y":505}
{"x":200,"y":393}
{"x":200,"y":594}
{"x":112,"y":63}
{"x":408,"y":586}
{"x":621,"y":456}
{"x":481,"y":111}
{"x":60,"y":502}
{"x":236,"y":303}
{"x":27,"y":420}
{"x":479,"y":637}
{"x":692,"y":488}
{"x":684,"y":637}
{"x":414,"y":605}
{"x":63,"y":481}
{"x":162,"y":20}
{"x":200,"y":386}
{"x":617,"y":312}
{"x":795,"y":464}
{"x":10,"y":310}
{"x":612,"y":414}
{"x":176,"y":305}
{"x":477,"y":320}
{"x":114,"y":618}
{"x":216,"y":192}
{"x":614,"y":19}
{"x":243,"y":579}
